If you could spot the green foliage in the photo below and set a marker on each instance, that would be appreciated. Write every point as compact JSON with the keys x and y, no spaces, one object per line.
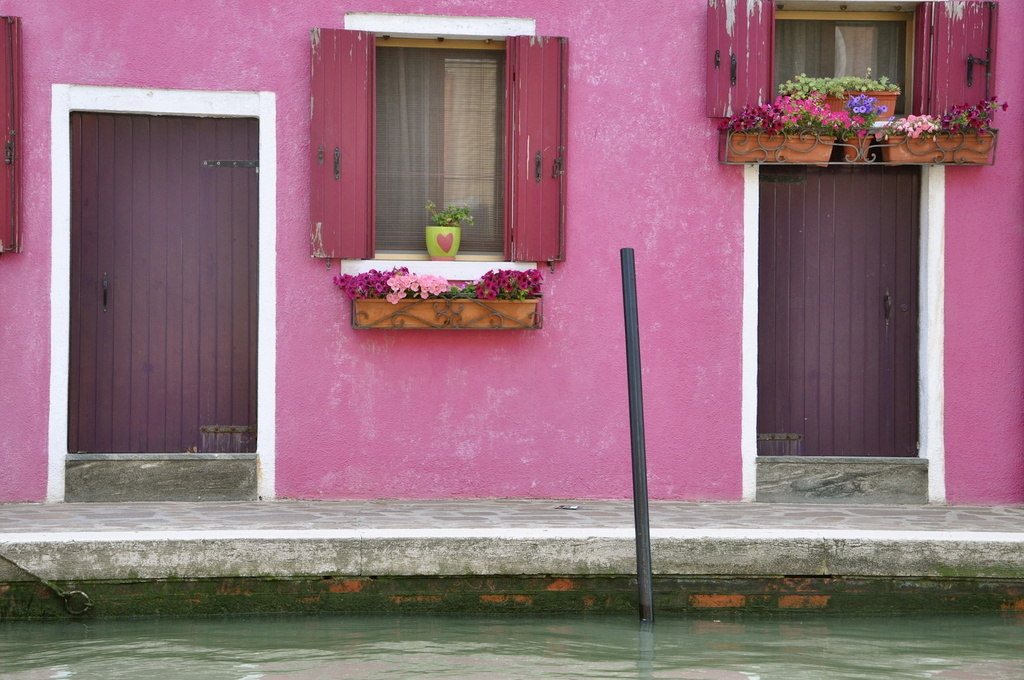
{"x":803,"y":85}
{"x":451,"y":216}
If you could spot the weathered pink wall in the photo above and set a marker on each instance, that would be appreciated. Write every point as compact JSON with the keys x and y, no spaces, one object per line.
{"x":985,"y":304}
{"x":542,"y":414}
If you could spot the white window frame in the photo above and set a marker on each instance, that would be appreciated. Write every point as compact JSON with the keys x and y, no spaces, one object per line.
{"x":434,"y":26}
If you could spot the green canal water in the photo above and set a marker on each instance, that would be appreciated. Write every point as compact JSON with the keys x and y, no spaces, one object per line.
{"x":988,"y":647}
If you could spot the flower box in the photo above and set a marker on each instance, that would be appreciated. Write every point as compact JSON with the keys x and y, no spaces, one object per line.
{"x":446,"y":314}
{"x":954,"y":148}
{"x":748,"y":147}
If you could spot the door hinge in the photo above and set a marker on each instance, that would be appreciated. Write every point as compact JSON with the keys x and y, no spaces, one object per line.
{"x":231,"y":164}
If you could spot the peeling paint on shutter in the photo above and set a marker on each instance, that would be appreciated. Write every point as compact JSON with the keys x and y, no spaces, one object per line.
{"x":955,"y":54}
{"x":740,"y":54}
{"x":536,"y":70}
{"x":342,"y":143}
{"x":10,"y":115}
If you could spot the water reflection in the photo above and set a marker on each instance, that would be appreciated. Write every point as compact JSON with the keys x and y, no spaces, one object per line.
{"x":385,"y":646}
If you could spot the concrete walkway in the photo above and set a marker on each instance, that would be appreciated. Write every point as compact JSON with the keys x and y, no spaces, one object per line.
{"x":72,"y":543}
{"x":158,"y":540}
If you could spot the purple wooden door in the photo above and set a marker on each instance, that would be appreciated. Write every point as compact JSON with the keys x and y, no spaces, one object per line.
{"x":837,"y":326}
{"x":163,"y":282}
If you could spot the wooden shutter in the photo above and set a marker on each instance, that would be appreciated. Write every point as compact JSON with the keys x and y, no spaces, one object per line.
{"x":955,"y":54}
{"x":10,"y":115}
{"x":740,"y":54}
{"x":342,"y":144}
{"x":536,"y":119}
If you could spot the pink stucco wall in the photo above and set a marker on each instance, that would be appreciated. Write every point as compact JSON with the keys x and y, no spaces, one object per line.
{"x":541,"y":414}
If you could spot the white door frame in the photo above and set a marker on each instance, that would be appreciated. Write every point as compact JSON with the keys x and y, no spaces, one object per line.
{"x":931,"y":338}
{"x":261,"y":105}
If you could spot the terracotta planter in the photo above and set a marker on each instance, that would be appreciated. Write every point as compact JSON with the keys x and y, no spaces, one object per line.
{"x":443,"y":242}
{"x":963,"y":148}
{"x":855,"y":149}
{"x":446,"y":314}
{"x":744,"y":147}
{"x":902,"y":149}
{"x":886,"y":99}
{"x":835,"y":103}
{"x":966,"y":148}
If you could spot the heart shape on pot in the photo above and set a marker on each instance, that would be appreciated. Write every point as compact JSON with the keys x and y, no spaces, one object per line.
{"x":445,"y":242}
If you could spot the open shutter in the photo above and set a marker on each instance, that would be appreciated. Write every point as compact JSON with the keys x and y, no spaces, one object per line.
{"x":740,"y":54}
{"x":10,"y":114}
{"x":955,"y":60}
{"x":536,"y":118}
{"x":342,"y":144}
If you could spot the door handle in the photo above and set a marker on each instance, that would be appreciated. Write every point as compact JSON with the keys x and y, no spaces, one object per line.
{"x":887,"y":303}
{"x":106,"y":287}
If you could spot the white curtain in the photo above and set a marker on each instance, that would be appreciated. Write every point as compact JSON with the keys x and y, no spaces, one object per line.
{"x":440,"y":137}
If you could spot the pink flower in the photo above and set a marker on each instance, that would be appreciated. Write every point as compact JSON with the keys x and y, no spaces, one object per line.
{"x":413,"y":285}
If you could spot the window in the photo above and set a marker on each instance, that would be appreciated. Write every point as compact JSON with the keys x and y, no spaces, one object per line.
{"x":951,"y":50}
{"x":817,"y":44}
{"x":440,"y":137}
{"x":484,"y":127}
{"x":10,"y":118}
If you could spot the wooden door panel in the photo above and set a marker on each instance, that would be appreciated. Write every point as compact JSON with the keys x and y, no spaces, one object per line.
{"x":835,"y":378}
{"x":174,"y":348}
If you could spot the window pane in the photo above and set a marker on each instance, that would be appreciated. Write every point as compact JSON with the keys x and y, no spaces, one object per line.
{"x":440,"y":128}
{"x":841,"y":48}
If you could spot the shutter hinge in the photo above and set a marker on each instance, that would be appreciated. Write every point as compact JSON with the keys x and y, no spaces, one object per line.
{"x":9,"y":150}
{"x":972,"y":60}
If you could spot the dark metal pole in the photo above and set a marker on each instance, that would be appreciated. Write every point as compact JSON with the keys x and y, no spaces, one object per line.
{"x":636,"y":430}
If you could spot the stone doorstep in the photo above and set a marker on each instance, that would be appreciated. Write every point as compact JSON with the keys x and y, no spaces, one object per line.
{"x":184,"y":477}
{"x":835,"y":480}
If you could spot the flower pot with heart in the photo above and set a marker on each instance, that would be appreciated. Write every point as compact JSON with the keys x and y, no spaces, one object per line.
{"x":445,"y":235}
{"x":443,"y":242}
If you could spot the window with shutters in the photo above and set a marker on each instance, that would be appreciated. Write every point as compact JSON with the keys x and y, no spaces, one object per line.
{"x":942,"y":52}
{"x":395,"y":123}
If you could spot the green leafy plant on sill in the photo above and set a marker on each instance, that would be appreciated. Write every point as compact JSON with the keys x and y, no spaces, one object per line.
{"x":868,"y":84}
{"x":802,"y":86}
{"x":452,"y":216}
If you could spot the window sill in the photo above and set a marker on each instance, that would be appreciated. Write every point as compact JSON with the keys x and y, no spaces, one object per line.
{"x":457,"y":270}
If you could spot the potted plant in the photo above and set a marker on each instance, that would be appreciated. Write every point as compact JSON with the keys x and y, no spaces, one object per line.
{"x":803,"y":86}
{"x":963,"y":134}
{"x":502,"y":299}
{"x":445,"y":236}
{"x":862,"y":111}
{"x":789,"y":130}
{"x":838,"y":90}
